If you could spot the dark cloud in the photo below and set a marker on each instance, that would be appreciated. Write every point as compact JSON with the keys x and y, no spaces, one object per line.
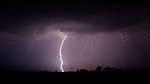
{"x":80,"y":18}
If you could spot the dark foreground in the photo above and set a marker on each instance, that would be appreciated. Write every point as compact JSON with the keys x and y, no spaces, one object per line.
{"x":76,"y":77}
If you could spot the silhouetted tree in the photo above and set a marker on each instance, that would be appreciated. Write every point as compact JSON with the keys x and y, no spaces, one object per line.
{"x":77,"y":70}
{"x":83,"y":70}
{"x":45,"y":71}
{"x":109,"y":69}
{"x":91,"y":71}
{"x":98,"y":69}
{"x":118,"y":70}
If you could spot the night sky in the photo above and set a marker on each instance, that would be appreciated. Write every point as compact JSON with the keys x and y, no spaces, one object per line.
{"x":105,"y":34}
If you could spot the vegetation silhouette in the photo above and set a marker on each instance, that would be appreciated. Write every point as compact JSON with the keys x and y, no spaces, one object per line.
{"x":99,"y":74}
{"x":98,"y":69}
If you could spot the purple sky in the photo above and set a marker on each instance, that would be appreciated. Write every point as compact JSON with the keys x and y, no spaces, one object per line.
{"x":98,"y":34}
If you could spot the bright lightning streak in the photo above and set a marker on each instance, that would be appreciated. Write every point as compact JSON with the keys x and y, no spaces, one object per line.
{"x":60,"y":53}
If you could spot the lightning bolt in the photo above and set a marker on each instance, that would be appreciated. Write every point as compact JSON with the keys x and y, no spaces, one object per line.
{"x":90,"y":44}
{"x":38,"y":39}
{"x":60,"y":53}
{"x":36,"y":36}
{"x":86,"y":45}
{"x":124,"y":36}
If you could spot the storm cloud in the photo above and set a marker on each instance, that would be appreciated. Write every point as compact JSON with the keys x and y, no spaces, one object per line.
{"x":87,"y":25}
{"x":81,"y":19}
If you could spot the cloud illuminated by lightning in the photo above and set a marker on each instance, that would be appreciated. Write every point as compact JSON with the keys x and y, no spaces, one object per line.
{"x":60,"y":53}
